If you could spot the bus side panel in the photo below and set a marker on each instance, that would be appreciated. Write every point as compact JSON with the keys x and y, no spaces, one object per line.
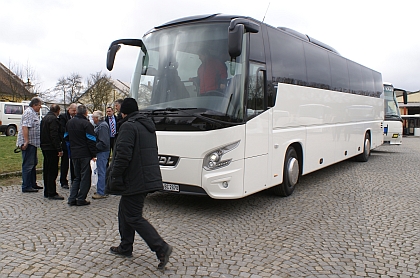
{"x":334,"y":123}
{"x":256,"y":153}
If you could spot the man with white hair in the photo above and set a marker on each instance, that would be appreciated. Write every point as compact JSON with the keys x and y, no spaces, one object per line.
{"x":102,"y":155}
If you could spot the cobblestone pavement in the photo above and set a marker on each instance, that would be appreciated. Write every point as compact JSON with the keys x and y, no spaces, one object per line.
{"x":349,"y":220}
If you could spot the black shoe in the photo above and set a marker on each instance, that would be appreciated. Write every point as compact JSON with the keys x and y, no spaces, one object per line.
{"x":56,"y":197}
{"x":116,"y":251}
{"x":30,"y":190}
{"x":38,"y":187}
{"x":164,"y":258}
{"x":82,"y":203}
{"x":72,"y":203}
{"x":65,"y":186}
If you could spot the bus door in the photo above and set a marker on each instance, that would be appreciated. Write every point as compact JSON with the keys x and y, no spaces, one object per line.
{"x":257,"y":130}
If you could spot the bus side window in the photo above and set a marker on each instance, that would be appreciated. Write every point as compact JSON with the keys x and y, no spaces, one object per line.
{"x":256,"y":87}
{"x":339,"y":74}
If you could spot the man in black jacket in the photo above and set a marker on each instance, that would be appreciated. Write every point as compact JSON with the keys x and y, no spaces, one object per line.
{"x":51,"y":150}
{"x":117,"y":105}
{"x":83,"y":149}
{"x":65,"y":159}
{"x":134,"y":172}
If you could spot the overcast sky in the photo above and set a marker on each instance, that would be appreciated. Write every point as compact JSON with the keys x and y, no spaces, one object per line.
{"x":60,"y":37}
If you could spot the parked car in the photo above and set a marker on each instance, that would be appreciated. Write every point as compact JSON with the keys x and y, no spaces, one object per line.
{"x":11,"y":114}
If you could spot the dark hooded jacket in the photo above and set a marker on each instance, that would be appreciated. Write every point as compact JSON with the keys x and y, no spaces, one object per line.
{"x":134,"y":168}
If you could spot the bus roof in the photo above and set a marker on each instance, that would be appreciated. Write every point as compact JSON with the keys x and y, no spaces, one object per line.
{"x":223,"y":17}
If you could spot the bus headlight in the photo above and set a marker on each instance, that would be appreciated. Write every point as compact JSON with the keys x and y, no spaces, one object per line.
{"x":214,"y":159}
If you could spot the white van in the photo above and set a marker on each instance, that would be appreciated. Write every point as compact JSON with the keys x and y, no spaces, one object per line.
{"x":11,"y":114}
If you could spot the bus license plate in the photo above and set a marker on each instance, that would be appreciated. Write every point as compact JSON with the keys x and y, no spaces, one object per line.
{"x":170,"y":187}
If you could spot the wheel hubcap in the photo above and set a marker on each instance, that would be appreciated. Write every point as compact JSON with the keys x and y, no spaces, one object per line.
{"x":367,"y":146}
{"x":293,"y":171}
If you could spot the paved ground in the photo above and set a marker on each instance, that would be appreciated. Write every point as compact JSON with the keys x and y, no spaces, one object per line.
{"x":349,"y":220}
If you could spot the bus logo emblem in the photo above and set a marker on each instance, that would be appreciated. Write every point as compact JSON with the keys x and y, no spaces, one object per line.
{"x":168,"y":161}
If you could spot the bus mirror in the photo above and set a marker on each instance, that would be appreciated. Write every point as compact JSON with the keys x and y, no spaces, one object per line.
{"x":115,"y":46}
{"x":111,"y":56}
{"x":237,"y":28}
{"x":235,"y":40}
{"x":405,"y":99}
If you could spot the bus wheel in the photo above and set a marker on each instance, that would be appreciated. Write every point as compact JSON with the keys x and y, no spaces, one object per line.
{"x":364,"y":156}
{"x":291,"y":172}
{"x":11,"y":130}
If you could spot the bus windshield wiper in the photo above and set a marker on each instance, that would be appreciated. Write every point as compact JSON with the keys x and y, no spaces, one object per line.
{"x":171,"y":110}
{"x":204,"y":117}
{"x":164,"y":111}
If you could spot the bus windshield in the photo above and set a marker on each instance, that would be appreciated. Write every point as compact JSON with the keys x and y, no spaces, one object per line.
{"x":391,"y":105}
{"x":186,"y":72}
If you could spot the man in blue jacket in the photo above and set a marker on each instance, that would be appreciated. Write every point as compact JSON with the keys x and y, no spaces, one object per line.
{"x":133,"y":173}
{"x":83,"y":149}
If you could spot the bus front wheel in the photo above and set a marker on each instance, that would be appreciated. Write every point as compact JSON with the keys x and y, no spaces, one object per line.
{"x":291,"y":172}
{"x":364,"y":156}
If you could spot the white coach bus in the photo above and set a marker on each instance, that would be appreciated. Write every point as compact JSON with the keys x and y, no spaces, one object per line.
{"x":393,"y":124}
{"x":241,"y":106}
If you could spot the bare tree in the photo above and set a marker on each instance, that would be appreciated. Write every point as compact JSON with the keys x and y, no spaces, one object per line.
{"x":70,"y":88}
{"x":100,"y":91}
{"x":32,"y":83}
{"x":48,"y":95}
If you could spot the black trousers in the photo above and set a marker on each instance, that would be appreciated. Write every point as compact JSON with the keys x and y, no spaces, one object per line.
{"x":64,"y":169}
{"x":111,"y":151}
{"x":130,"y":220}
{"x":50,"y":172}
{"x":111,"y":144}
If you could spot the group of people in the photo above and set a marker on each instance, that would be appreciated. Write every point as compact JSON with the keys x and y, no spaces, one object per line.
{"x":133,"y":172}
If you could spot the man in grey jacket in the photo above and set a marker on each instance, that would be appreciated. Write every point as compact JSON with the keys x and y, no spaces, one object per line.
{"x":103,"y":147}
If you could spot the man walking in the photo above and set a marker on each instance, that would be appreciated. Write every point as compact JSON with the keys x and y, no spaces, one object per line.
{"x":83,"y":149}
{"x":28,"y":141}
{"x":65,"y":159}
{"x":133,"y":173}
{"x":51,"y":150}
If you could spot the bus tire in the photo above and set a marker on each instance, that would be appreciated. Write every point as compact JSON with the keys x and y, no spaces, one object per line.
{"x":364,"y":156}
{"x":11,"y":130}
{"x":291,"y":173}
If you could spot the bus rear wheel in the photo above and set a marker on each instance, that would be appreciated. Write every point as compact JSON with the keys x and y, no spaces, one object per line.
{"x":291,"y":173}
{"x":364,"y":156}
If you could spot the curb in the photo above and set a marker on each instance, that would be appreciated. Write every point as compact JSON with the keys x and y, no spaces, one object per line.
{"x":17,"y":173}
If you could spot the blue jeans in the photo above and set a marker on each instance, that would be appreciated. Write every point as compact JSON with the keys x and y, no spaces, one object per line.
{"x":29,"y":162}
{"x":82,"y":179}
{"x":101,"y":161}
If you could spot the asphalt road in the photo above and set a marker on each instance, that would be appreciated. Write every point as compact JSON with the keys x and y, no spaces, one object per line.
{"x":349,"y":220}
